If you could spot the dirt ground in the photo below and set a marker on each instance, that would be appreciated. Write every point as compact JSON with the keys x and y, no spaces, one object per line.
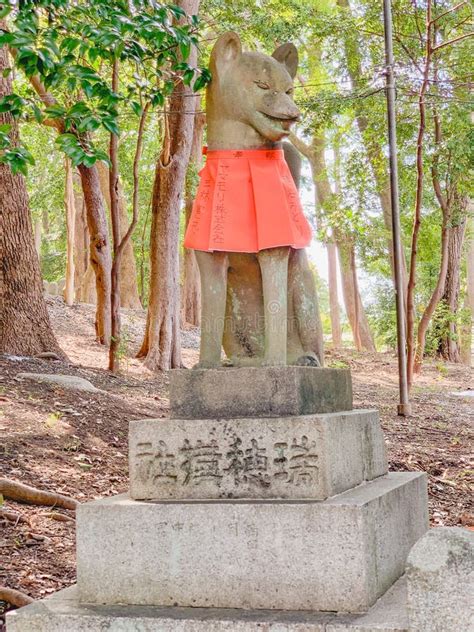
{"x":75,"y":443}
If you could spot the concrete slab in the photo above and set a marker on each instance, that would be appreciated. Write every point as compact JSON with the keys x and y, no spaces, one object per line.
{"x":336,"y":555}
{"x":62,"y":612}
{"x":311,"y":456}
{"x":258,"y":392}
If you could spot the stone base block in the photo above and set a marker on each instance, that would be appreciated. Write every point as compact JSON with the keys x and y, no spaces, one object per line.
{"x":311,"y":456}
{"x":340,"y":554}
{"x":62,"y":612}
{"x":258,"y":392}
{"x":440,"y":581}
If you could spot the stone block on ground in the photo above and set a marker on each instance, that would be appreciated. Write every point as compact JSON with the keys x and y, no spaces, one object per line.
{"x":258,"y":392}
{"x":66,"y":381}
{"x":311,"y":456}
{"x":440,"y":581}
{"x":62,"y":612}
{"x":339,"y":554}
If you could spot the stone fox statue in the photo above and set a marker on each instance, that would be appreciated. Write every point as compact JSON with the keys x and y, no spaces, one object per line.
{"x":247,"y":227}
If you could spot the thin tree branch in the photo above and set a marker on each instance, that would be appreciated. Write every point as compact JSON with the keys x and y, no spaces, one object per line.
{"x":455,"y":8}
{"x":442,"y":200}
{"x":451,"y":41}
{"x":136,"y":160}
{"x":415,"y":16}
{"x":434,"y":167}
{"x":408,"y":53}
{"x":301,"y":146}
{"x":456,"y":26}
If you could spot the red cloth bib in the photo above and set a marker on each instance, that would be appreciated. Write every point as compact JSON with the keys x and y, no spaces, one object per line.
{"x":246,"y":201}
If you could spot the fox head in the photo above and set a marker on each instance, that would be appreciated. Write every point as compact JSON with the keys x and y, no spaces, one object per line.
{"x":250,"y":98}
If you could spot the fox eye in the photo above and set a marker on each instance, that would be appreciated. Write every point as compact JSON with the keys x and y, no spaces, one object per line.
{"x":262,"y":85}
{"x":290,"y":91}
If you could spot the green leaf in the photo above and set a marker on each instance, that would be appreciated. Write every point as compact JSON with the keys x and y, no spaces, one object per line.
{"x":69,"y":44}
{"x":202,"y":80}
{"x":78,"y":108}
{"x":102,"y":155}
{"x":157,"y":99}
{"x":37,"y":113}
{"x":5,"y":10}
{"x":178,"y":12}
{"x":136,"y":107}
{"x":199,"y":83}
{"x":188,"y":76}
{"x":18,"y":158}
{"x":67,"y":139}
{"x":55,"y":111}
{"x":185,"y":48}
{"x":89,"y":161}
{"x":110,"y":125}
{"x":88,"y":89}
{"x":71,"y":84}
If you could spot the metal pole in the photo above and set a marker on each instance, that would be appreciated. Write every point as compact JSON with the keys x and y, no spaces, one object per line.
{"x":404,"y":407}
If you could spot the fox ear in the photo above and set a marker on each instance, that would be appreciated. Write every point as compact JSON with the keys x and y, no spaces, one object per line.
{"x":287,"y":55}
{"x":226,"y":50}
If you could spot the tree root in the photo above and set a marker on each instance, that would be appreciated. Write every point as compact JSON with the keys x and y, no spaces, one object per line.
{"x":12,"y":516}
{"x":14,"y":597}
{"x":26,"y":494}
{"x":60,"y":517}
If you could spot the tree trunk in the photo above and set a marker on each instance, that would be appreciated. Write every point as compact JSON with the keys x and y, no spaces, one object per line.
{"x":450,"y":348}
{"x":336,"y":333}
{"x":414,"y":354}
{"x":373,"y":147}
{"x":161,"y":346}
{"x":191,"y":300}
{"x":87,"y":291}
{"x":25,"y":328}
{"x":99,"y":248}
{"x":453,"y":208}
{"x":129,"y":296}
{"x":38,"y":235}
{"x":70,"y":207}
{"x":433,"y":302}
{"x":466,"y":351}
{"x":84,"y":283}
{"x":355,"y":311}
{"x":115,"y":218}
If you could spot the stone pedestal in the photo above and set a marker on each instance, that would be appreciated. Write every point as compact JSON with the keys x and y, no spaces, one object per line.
{"x":63,"y":612}
{"x":337,"y":555}
{"x":311,"y":456}
{"x":258,"y":392}
{"x":263,"y":503}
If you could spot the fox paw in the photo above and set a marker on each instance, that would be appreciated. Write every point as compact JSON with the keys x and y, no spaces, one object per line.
{"x":308,"y":359}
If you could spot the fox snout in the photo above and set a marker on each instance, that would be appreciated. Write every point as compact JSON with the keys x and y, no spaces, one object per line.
{"x":292,"y":116}
{"x":283,"y":109}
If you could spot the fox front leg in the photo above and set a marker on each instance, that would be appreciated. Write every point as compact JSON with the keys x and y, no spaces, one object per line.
{"x":213,"y":267}
{"x":274,"y":268}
